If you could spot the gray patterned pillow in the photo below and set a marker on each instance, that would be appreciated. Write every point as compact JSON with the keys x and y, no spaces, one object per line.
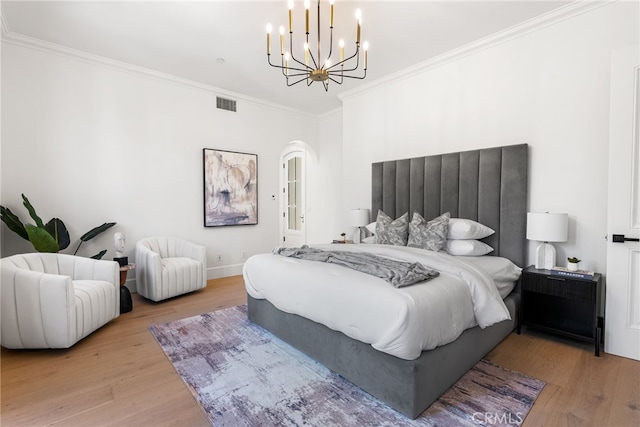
{"x":392,"y":232}
{"x":430,"y":235}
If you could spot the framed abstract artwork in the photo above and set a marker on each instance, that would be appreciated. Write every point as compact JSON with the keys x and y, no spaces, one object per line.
{"x":230,"y":188}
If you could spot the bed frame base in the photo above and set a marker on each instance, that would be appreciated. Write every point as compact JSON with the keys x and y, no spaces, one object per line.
{"x":408,"y":386}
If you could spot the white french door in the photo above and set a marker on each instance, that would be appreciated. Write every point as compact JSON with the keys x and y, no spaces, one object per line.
{"x":622,"y":316}
{"x":293,"y":212}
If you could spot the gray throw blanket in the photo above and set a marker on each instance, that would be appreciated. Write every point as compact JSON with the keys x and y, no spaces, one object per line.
{"x":398,"y":273}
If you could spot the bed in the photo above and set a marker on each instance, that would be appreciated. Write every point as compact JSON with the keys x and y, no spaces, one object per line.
{"x":488,"y":186}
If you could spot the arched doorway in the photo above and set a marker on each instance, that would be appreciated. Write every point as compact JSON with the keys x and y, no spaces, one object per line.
{"x":293,"y":201}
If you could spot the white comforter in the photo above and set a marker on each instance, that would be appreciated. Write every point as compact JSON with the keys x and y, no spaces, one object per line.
{"x":402,"y":322}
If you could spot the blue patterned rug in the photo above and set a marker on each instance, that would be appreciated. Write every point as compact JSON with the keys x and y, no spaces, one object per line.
{"x":241,"y":375}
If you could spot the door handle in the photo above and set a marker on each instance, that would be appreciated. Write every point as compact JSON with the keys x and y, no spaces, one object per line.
{"x":619,"y":238}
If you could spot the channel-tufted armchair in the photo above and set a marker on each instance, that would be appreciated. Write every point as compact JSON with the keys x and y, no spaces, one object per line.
{"x":55,"y":300}
{"x":169,"y":266}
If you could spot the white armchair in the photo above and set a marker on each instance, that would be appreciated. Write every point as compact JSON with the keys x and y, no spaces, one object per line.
{"x":169,"y":266}
{"x":55,"y":300}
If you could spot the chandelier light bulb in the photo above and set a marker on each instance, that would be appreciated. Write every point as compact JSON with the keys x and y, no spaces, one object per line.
{"x":287,"y":56}
{"x":358,"y":22}
{"x":269,"y":29}
{"x":366,"y":48}
{"x":291,"y":16}
{"x":281,"y":40}
{"x":331,"y":13}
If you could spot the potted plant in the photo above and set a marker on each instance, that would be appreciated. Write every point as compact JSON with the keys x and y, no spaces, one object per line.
{"x":50,"y":237}
{"x":343,"y":235}
{"x":573,"y":263}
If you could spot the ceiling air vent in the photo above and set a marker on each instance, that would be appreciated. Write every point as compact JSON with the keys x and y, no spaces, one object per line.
{"x":225,"y":104}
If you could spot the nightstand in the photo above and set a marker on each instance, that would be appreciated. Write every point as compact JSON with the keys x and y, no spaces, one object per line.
{"x":564,"y":306}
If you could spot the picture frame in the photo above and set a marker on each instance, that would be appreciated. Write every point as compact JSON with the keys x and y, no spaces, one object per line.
{"x":230,"y":188}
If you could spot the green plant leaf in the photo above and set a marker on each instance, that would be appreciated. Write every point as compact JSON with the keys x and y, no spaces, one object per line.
{"x":59,"y":232}
{"x":100,"y":254}
{"x":41,"y":240}
{"x":32,"y":211}
{"x":13,"y":222}
{"x":95,"y":231}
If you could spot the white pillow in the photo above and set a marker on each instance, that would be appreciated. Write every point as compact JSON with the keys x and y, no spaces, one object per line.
{"x":370,"y":239}
{"x":499,"y":268}
{"x":503,"y":272}
{"x":467,"y":247}
{"x":463,"y":229}
{"x":371,"y":227}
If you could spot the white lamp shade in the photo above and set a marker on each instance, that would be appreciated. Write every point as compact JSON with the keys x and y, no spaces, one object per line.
{"x":547,"y":227}
{"x":358,"y":217}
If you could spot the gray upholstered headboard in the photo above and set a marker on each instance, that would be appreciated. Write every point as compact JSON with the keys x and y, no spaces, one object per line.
{"x":487,"y":185}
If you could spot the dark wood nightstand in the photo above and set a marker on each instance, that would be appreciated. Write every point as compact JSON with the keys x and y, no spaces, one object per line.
{"x":564,"y":306}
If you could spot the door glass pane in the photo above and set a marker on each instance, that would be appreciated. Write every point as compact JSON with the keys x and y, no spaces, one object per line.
{"x":292,"y":218}
{"x":292,"y":169}
{"x":298,"y":173}
{"x":294,"y":193}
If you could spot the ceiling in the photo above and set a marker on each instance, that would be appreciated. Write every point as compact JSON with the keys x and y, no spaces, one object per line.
{"x":186,"y":39}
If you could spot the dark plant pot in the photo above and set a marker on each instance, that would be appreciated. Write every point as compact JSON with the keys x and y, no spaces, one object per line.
{"x":126,"y":304}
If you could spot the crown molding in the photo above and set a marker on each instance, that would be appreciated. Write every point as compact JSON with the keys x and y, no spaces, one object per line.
{"x":555,"y":16}
{"x":59,"y":50}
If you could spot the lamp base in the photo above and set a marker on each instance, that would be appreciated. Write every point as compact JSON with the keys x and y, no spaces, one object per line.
{"x":545,"y":256}
{"x":357,"y":235}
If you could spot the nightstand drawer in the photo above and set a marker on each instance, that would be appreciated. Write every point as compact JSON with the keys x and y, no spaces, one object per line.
{"x":561,"y":287}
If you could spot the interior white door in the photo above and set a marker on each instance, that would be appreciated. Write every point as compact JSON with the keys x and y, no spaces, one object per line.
{"x":622,"y":316}
{"x":293,"y":212}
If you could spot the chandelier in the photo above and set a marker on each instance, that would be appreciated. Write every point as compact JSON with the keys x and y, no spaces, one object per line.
{"x":314,"y":68}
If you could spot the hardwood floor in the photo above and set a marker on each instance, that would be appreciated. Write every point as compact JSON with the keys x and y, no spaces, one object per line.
{"x":119,"y":376}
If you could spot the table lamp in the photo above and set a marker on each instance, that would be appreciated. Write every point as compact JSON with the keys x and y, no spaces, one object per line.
{"x":358,"y":218}
{"x":547,"y":227}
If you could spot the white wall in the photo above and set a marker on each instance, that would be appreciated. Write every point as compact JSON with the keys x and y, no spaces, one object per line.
{"x":326,"y":217}
{"x":548,"y":88}
{"x":90,"y":144}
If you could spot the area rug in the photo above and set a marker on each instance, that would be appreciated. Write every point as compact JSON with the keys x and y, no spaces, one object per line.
{"x":241,"y":375}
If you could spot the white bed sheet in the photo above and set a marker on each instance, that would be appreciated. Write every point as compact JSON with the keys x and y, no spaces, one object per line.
{"x":402,"y":322}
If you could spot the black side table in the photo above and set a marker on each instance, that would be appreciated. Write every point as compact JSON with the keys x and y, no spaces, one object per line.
{"x":564,"y":306}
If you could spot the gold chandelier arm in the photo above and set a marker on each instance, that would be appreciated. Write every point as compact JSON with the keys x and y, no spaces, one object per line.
{"x":348,"y":77}
{"x":305,"y":71}
{"x":296,"y":82}
{"x":307,"y":67}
